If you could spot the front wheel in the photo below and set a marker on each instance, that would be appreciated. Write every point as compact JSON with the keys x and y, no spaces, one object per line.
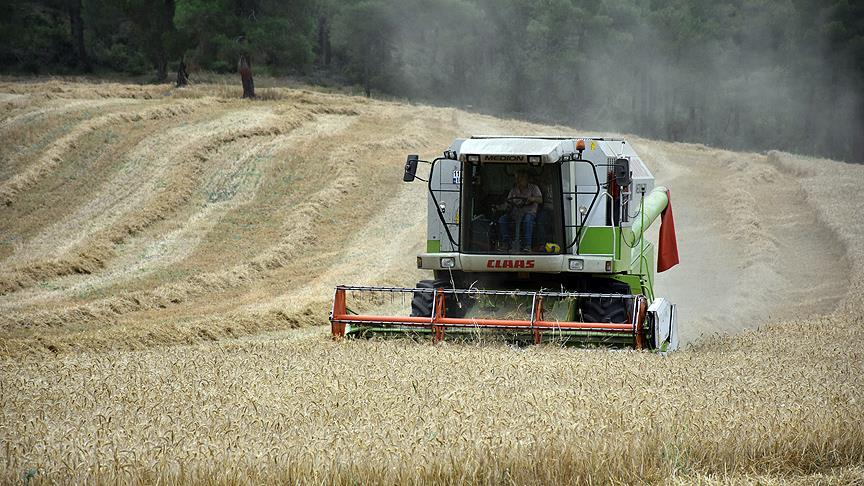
{"x":421,"y":302}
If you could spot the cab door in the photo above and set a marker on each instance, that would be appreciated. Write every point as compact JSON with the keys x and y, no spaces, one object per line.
{"x":443,"y":211}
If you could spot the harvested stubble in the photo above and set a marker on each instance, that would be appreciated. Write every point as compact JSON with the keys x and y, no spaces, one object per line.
{"x":139,"y":371}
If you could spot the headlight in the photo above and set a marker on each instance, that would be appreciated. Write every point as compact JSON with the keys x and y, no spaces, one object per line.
{"x":577,"y":265}
{"x":534,"y":160}
{"x":473,"y":159}
{"x":448,"y":262}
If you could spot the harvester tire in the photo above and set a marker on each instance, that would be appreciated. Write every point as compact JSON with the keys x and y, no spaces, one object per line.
{"x":606,"y":310}
{"x":421,"y":303}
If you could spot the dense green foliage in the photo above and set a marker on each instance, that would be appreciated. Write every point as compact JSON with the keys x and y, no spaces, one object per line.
{"x":739,"y":73}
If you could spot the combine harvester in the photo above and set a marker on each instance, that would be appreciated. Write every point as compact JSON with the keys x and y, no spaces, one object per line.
{"x":534,"y":238}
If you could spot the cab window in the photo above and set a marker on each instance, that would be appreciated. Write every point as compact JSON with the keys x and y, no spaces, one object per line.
{"x":505,"y":215}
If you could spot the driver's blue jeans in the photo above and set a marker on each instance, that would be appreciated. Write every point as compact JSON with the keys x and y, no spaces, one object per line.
{"x":507,"y":227}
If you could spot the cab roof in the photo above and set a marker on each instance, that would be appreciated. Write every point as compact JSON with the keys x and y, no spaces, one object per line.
{"x":515,"y":149}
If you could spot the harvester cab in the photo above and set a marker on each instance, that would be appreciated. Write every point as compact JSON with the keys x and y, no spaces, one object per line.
{"x":534,"y":238}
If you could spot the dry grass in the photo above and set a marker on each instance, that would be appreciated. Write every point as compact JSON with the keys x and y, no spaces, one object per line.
{"x":174,"y":354}
{"x":300,"y":407}
{"x":90,"y":255}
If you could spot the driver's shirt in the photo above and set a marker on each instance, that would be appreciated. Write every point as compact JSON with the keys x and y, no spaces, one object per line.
{"x":530,"y":190}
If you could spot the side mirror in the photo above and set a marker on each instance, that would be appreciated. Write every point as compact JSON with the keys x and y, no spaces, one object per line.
{"x":410,"y":168}
{"x":622,"y":172}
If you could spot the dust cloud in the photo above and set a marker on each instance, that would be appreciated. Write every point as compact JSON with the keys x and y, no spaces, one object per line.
{"x":755,"y":76}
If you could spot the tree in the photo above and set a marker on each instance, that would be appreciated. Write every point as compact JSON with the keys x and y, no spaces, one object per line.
{"x":155,"y":31}
{"x":367,"y":43}
{"x":76,"y":26}
{"x":217,"y":32}
{"x":323,"y":51}
{"x":34,"y":34}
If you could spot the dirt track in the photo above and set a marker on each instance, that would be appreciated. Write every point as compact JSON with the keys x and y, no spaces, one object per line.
{"x":141,"y":218}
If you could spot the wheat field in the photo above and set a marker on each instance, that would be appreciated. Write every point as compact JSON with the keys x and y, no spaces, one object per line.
{"x":167,"y":258}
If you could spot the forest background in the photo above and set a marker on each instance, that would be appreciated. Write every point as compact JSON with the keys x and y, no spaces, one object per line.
{"x":741,"y":74}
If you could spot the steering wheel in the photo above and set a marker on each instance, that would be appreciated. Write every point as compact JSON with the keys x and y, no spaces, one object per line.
{"x":517,"y":201}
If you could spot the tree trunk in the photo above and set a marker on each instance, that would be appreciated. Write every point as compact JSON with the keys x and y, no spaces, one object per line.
{"x":246,"y":77}
{"x":161,"y":67}
{"x":76,"y":24}
{"x":182,"y":75}
{"x":166,"y":23}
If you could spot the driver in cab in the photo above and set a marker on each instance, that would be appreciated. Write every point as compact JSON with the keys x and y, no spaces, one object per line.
{"x":522,"y":203}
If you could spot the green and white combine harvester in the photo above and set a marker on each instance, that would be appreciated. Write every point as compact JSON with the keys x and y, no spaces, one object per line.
{"x":536,"y":239}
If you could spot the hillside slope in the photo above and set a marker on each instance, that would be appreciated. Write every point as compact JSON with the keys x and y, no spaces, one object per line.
{"x":137,"y":207}
{"x":158,"y":249}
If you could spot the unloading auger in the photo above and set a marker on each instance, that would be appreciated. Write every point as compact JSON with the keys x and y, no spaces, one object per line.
{"x":535,"y":239}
